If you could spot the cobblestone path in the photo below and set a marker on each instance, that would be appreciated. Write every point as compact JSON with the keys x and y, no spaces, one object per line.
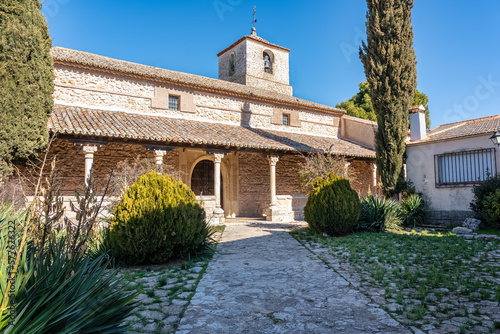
{"x":263,"y":281}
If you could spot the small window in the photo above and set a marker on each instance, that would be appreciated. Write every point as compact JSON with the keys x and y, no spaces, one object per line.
{"x":286,"y":119}
{"x":464,"y":168}
{"x":173,"y":102}
{"x":231,"y":65}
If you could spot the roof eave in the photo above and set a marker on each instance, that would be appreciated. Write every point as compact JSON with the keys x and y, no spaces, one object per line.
{"x":255,"y":40}
{"x":434,"y":141}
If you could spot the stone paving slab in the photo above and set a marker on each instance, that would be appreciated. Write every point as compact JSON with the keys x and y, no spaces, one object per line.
{"x":263,"y":281}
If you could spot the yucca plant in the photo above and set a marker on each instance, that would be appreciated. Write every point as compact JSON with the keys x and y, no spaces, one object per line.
{"x":70,"y":294}
{"x":412,"y":210}
{"x":11,"y":231}
{"x":379,"y":214}
{"x":100,"y":245}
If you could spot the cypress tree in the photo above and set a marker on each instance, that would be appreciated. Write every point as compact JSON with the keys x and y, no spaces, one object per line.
{"x":26,"y":82}
{"x":390,"y":68}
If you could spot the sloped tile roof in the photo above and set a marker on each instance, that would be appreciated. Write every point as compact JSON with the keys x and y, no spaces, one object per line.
{"x":256,"y":38}
{"x":169,"y":131}
{"x":89,"y":61}
{"x":473,"y":127}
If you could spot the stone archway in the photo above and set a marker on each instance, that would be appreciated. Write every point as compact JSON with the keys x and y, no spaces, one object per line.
{"x":225,"y":181}
{"x":202,"y":179}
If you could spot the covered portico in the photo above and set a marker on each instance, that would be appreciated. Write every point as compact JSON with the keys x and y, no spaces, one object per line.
{"x":234,"y":170}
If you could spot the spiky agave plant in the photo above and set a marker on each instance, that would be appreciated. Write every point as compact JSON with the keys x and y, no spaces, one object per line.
{"x":379,"y":214}
{"x":413,"y":210}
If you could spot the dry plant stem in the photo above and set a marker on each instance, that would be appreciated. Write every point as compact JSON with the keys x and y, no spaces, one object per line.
{"x":96,"y":213}
{"x":3,"y":307}
{"x":52,"y":204}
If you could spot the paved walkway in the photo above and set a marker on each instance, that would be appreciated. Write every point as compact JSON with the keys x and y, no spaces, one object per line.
{"x":263,"y":281}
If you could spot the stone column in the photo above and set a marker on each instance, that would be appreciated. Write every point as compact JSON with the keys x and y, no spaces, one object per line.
{"x":272,"y":212}
{"x":346,"y":167}
{"x":374,"y":178}
{"x":159,"y":159}
{"x":273,"y":160}
{"x":159,"y":154}
{"x":89,"y":160}
{"x":218,"y":212}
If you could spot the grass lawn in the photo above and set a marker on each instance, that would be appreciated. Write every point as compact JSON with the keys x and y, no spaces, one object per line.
{"x":430,"y":281}
{"x":488,"y":231}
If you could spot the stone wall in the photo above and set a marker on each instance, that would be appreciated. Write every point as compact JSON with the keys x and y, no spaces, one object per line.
{"x":255,"y":62}
{"x":103,"y":91}
{"x":255,"y":181}
{"x":287,"y":170}
{"x":70,"y":164}
{"x":254,"y":184}
{"x":249,"y":66}
{"x":447,"y":218}
{"x":363,"y":176}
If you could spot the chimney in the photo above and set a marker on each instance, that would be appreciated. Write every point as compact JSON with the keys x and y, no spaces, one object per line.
{"x":417,"y":123}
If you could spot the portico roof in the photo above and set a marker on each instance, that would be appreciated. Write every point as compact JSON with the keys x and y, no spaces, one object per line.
{"x":76,"y":121}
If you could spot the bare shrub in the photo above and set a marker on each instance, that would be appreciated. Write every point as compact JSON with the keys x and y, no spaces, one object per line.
{"x":12,"y":192}
{"x":49,"y":208}
{"x":127,"y":172}
{"x":321,"y":164}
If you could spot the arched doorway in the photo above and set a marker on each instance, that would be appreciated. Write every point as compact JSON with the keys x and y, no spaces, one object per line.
{"x":202,"y":180}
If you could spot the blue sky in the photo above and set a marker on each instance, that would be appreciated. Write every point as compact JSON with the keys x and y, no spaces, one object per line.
{"x":457,"y":43}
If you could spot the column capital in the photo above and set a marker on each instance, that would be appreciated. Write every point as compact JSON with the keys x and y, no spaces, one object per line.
{"x":160,"y":153}
{"x":89,"y":150}
{"x":273,"y":159}
{"x":218,"y":157}
{"x":374,"y":167}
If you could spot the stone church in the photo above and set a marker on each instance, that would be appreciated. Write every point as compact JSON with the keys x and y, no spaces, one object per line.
{"x":238,"y":141}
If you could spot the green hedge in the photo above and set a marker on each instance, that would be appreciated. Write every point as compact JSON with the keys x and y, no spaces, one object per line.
{"x":333,"y":206}
{"x":485,"y":203}
{"x":157,"y":219}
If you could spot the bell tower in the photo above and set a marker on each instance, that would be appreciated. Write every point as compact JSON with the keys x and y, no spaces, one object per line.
{"x":255,"y":62}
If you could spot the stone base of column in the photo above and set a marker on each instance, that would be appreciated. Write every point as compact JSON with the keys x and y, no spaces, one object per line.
{"x":218,"y":217}
{"x":273,"y":214}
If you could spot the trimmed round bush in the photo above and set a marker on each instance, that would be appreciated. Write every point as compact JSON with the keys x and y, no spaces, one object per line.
{"x":333,"y":206}
{"x":157,"y":219}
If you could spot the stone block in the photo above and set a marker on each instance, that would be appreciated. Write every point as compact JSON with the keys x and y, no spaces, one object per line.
{"x":462,"y":230}
{"x":471,"y":223}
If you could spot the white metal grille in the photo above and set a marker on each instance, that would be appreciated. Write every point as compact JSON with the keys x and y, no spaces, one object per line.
{"x":463,"y":168}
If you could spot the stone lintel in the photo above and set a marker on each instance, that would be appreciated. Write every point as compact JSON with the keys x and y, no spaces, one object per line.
{"x":159,"y":148}
{"x":85,"y":142}
{"x":217,"y":151}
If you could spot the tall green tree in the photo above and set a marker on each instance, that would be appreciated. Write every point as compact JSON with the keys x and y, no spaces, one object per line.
{"x":389,"y":60}
{"x":26,"y":82}
{"x":360,"y":105}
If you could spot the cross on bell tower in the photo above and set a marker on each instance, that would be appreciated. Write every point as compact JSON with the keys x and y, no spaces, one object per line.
{"x":254,"y":21}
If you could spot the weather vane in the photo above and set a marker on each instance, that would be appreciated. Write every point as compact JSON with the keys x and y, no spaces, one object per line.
{"x":254,"y":20}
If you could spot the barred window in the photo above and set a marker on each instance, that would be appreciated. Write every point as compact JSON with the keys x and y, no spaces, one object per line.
{"x":173,"y":102}
{"x":286,"y":119}
{"x":464,"y":168}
